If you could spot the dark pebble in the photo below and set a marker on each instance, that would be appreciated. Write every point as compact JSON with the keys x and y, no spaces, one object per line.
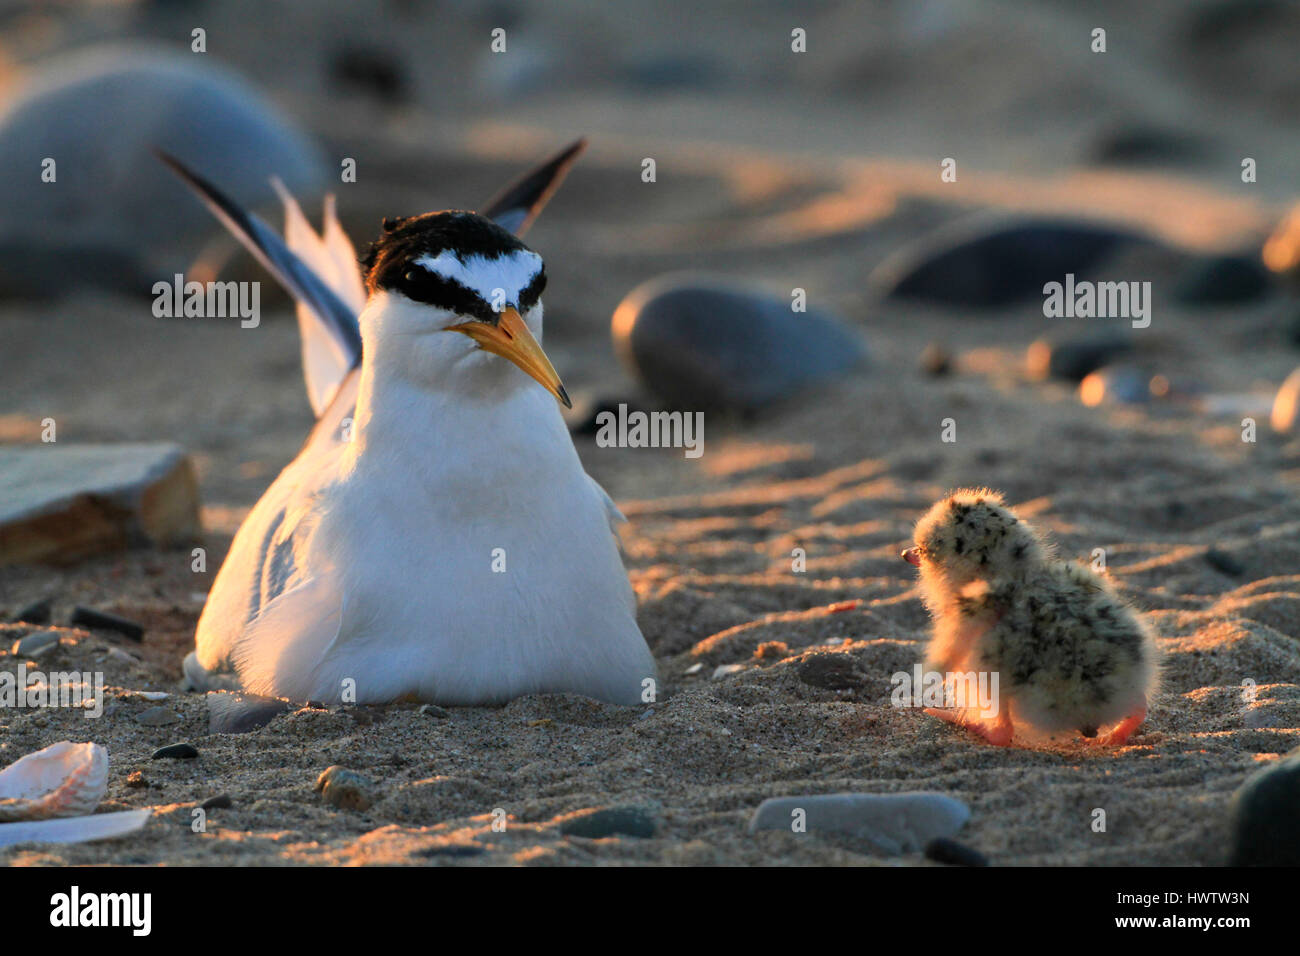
{"x":1072,"y":359}
{"x":1224,"y":561}
{"x":988,"y":263}
{"x":373,"y":71}
{"x":452,"y":849}
{"x":221,"y":801}
{"x":36,"y":613}
{"x":1145,"y":146}
{"x":102,"y":621}
{"x":703,"y":344}
{"x":935,"y":360}
{"x":832,"y":671}
{"x":612,"y":821}
{"x":234,"y":712}
{"x":1223,"y":280}
{"x":176,"y":752}
{"x":346,"y":789}
{"x":949,"y":851}
{"x":1265,"y":824}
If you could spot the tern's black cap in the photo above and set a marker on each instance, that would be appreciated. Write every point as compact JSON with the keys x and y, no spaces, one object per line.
{"x":390,"y":261}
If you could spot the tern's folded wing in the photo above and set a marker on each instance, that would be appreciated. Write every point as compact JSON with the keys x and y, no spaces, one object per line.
{"x":616,"y":519}
{"x":266,"y":557}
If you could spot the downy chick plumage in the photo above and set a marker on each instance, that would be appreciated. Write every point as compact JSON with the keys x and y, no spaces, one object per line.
{"x":1068,"y":652}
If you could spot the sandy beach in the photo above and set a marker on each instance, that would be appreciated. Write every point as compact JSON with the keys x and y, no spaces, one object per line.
{"x":778,"y":183}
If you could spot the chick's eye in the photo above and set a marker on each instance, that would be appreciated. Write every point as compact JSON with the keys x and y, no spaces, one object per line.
{"x":409,"y":276}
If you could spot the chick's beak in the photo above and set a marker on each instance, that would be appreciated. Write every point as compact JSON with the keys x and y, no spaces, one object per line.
{"x":913,"y":556}
{"x":511,"y":339}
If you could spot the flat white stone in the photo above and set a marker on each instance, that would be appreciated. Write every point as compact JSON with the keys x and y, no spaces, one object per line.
{"x":891,"y":823}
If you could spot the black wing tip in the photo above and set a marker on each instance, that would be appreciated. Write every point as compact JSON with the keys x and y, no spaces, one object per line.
{"x":177,"y":167}
{"x":533,"y":190}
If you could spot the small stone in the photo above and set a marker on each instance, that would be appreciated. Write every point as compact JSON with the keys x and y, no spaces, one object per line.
{"x":771,"y":651}
{"x":38,"y":612}
{"x":103,"y":621}
{"x":433,"y":710}
{"x":632,"y":821}
{"x":372,"y":70}
{"x":1141,"y":145}
{"x":234,"y":712}
{"x":726,"y":670}
{"x":121,"y":656}
{"x":935,"y":360}
{"x":888,"y":823}
{"x":152,"y":695}
{"x":953,"y":853}
{"x":1265,"y":824}
{"x":60,"y":503}
{"x":345,"y":789}
{"x":1071,"y":359}
{"x":832,"y":671}
{"x":1121,"y":385}
{"x":37,"y":644}
{"x":136,"y":781}
{"x":1224,"y":561}
{"x":695,"y":668}
{"x":453,"y":850}
{"x":221,"y":801}
{"x":176,"y":752}
{"x":705,"y":344}
{"x":156,"y":717}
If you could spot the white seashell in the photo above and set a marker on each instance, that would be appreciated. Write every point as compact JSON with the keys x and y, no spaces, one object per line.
{"x":101,"y":826}
{"x":63,"y":780}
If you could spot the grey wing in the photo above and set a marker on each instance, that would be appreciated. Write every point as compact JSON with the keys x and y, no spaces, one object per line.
{"x":265,"y":561}
{"x":616,"y":519}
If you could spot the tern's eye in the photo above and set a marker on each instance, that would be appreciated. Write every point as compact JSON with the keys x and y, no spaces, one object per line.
{"x":410,"y":275}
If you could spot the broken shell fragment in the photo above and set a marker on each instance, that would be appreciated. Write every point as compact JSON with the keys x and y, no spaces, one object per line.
{"x":63,"y":780}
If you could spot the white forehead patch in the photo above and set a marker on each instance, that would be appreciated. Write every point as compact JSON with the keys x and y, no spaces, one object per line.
{"x":510,"y":273}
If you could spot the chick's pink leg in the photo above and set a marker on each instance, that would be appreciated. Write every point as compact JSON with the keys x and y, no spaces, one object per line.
{"x":996,"y":731}
{"x":1123,"y":730}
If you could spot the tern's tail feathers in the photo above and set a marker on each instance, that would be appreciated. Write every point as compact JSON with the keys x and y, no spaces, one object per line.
{"x":516,"y":207}
{"x":336,"y":339}
{"x":331,"y":257}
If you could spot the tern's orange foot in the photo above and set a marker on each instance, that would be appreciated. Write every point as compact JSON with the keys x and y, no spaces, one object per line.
{"x":1123,"y":730}
{"x":997,"y":731}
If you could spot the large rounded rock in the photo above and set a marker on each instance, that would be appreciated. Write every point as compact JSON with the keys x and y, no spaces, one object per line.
{"x":112,"y":208}
{"x":700,"y":343}
{"x":988,"y":262}
{"x":1266,"y":816}
{"x":1229,"y":279}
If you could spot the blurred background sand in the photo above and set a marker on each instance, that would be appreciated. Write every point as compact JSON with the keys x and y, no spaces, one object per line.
{"x":781,"y":170}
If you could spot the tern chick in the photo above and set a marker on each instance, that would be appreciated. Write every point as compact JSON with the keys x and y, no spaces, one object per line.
{"x":1068,"y":652}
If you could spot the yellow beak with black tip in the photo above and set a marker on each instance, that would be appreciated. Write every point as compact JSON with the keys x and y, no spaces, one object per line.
{"x":511,"y":339}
